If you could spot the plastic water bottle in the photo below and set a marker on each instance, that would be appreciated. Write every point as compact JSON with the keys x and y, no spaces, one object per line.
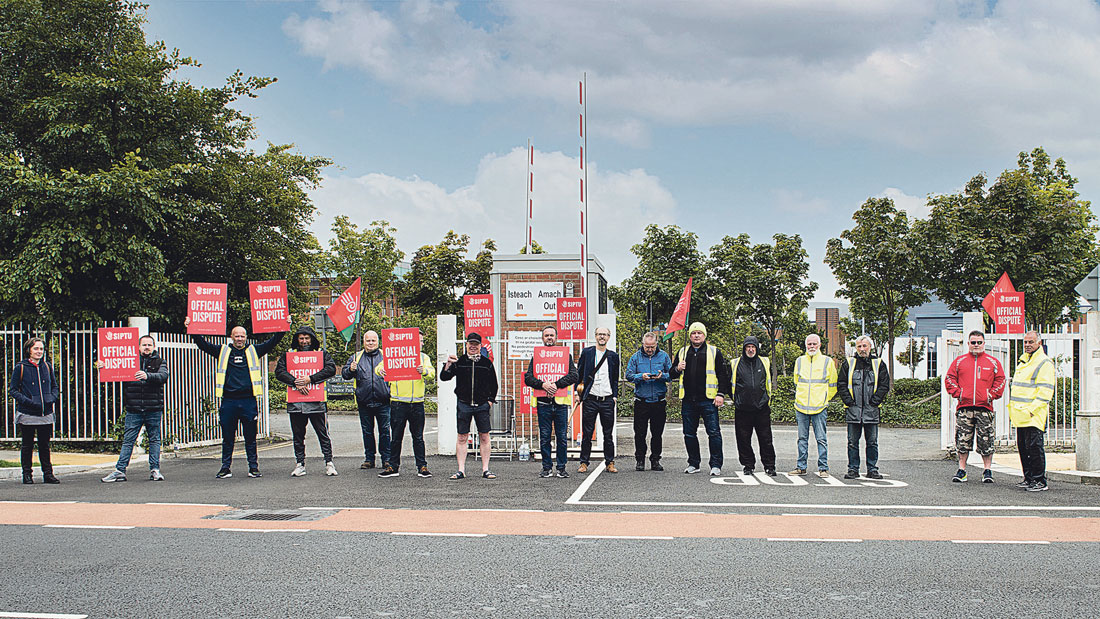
{"x":524,"y":452}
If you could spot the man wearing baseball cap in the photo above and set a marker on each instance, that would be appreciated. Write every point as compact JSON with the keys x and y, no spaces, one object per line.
{"x":476,"y":390}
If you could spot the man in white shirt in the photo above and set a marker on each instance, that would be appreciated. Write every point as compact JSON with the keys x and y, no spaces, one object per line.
{"x":598,"y":387}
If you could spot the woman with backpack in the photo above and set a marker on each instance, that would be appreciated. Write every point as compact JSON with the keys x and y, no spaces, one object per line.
{"x":36,"y":392}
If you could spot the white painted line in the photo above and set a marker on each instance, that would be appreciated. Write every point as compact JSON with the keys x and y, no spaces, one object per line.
{"x":812,"y":539}
{"x":623,"y":537}
{"x":85,"y":526}
{"x":1002,"y":508}
{"x":341,"y":508}
{"x":500,"y":509}
{"x":575,"y":498}
{"x":440,"y":534}
{"x":660,"y":512}
{"x":264,"y":530}
{"x":40,"y":615}
{"x":996,"y":516}
{"x":191,"y":504}
{"x":997,"y":541}
{"x":836,"y":515}
{"x":39,"y":503}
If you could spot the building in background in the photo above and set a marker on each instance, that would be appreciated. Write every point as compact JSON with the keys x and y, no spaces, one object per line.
{"x":322,"y":291}
{"x":827,"y":322}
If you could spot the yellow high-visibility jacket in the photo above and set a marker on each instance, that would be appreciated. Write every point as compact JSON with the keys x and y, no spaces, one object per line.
{"x":815,"y":383}
{"x":1031,"y":391}
{"x":712,"y":372}
{"x":409,"y":390}
{"x":254,"y":372}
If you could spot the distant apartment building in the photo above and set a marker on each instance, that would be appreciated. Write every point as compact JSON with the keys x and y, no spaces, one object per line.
{"x":322,"y":291}
{"x":827,"y":321}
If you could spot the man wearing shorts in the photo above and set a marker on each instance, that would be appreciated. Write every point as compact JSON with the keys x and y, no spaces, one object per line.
{"x":476,"y":390}
{"x":975,"y":379}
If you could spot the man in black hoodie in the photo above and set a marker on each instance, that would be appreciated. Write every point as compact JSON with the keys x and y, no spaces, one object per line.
{"x":752,"y":388}
{"x":303,"y":413}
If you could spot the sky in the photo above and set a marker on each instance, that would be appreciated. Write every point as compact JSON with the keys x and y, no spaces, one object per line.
{"x":722,"y":117}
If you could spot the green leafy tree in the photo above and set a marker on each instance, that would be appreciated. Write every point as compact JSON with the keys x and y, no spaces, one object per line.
{"x":535,"y":248}
{"x":912,"y":355}
{"x":370,"y":253}
{"x":1030,"y":223}
{"x":440,"y":274}
{"x":479,"y":269}
{"x":879,"y":267}
{"x":876,"y":329}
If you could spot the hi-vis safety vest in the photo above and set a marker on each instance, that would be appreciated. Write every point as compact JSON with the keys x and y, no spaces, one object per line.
{"x":815,"y":383}
{"x":767,"y":374}
{"x":566,"y":399}
{"x":1031,"y":390}
{"x":876,"y":363}
{"x":712,"y":376}
{"x":254,"y":373}
{"x":406,"y":390}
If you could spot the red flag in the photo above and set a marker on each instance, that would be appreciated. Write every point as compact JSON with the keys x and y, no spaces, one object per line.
{"x":989,"y":303}
{"x":344,"y":312}
{"x":683,"y":308}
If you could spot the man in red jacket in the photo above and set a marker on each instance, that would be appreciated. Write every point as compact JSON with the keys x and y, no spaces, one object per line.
{"x":975,"y":380}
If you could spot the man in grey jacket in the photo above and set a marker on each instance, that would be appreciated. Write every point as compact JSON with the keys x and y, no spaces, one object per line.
{"x":308,"y":413}
{"x":372,"y":396}
{"x":862,"y":384}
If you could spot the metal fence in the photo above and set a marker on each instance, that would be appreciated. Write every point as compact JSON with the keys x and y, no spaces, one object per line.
{"x":89,"y":410}
{"x":1062,"y":346}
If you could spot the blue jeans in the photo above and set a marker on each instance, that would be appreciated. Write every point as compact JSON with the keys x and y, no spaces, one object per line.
{"x":870,"y":432}
{"x":818,"y":422}
{"x":133,"y":422}
{"x":553,"y":417}
{"x":369,"y":415}
{"x":691,"y":411}
{"x":243,"y":411}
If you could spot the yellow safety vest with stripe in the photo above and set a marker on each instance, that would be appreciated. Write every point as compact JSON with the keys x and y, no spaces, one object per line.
{"x":815,"y":383}
{"x":1031,"y":391}
{"x":407,"y":390}
{"x":566,"y":399}
{"x":767,"y":375}
{"x":254,"y":373}
{"x":876,"y":363}
{"x":712,"y":376}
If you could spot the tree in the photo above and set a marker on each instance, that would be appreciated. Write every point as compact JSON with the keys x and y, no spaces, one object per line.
{"x":116,"y":180}
{"x":1029,"y":223}
{"x":370,"y":253}
{"x":535,"y":248}
{"x":875,"y":329}
{"x":880,"y":268}
{"x":479,"y":269}
{"x":912,"y":355}
{"x":440,"y":274}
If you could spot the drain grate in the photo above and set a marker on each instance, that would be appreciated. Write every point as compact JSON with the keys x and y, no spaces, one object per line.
{"x":263,"y":516}
{"x":273,"y":515}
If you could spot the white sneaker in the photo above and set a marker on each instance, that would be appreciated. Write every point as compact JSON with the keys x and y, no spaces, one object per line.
{"x":299,"y":470}
{"x":113,"y":476}
{"x":154,"y":475}
{"x":330,"y":469}
{"x":715,"y":471}
{"x":691,"y":469}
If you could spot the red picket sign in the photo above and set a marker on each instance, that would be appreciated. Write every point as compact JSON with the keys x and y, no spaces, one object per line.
{"x":269,"y":306}
{"x":117,"y":348}
{"x":1009,"y":316}
{"x":572,"y":318}
{"x":550,"y":364}
{"x":305,"y":364}
{"x":401,"y":350}
{"x":479,"y":315}
{"x":206,"y":308}
{"x":989,"y":303}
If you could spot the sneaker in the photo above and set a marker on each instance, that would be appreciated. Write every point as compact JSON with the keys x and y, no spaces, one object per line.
{"x":115,"y":475}
{"x":154,"y":475}
{"x":28,"y":478}
{"x":1023,"y":484}
{"x":874,"y":475}
{"x":424,"y":472}
{"x":987,"y":476}
{"x":656,"y":466}
{"x":255,"y":473}
{"x":50,"y":478}
{"x":611,"y":467}
{"x":797,"y":472}
{"x":715,"y":471}
{"x":545,"y":473}
{"x":960,"y":477}
{"x":1038,"y":486}
{"x":640,"y":465}
{"x":330,"y":469}
{"x":770,"y":472}
{"x":691,"y":469}
{"x":851,"y":475}
{"x":823,"y":474}
{"x":299,"y":470}
{"x":389,"y":471}
{"x":223,"y":474}
{"x":748,"y":470}
{"x":367,"y":464}
{"x":583,"y":468}
{"x":562,"y":473}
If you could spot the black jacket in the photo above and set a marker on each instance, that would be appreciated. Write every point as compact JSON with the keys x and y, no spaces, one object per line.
{"x":586,"y":364}
{"x":147,"y":396}
{"x":750,"y":389}
{"x":34,"y":387}
{"x":535,"y":382}
{"x":475,"y":383}
{"x":328,"y":370}
{"x":864,"y":400}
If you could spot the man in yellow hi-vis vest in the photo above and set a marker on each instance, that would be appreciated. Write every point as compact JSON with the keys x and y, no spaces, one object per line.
{"x":1029,"y":396}
{"x":815,"y":384}
{"x":704,"y":384}
{"x":407,"y":406}
{"x":238,"y":382}
{"x":553,"y":410}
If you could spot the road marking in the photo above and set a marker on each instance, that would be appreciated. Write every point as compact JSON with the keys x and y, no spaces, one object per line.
{"x":501,"y":509}
{"x":242,"y":529}
{"x":86,"y":526}
{"x":812,"y":539}
{"x":40,"y":503}
{"x":838,"y":515}
{"x":433,"y":534}
{"x":660,"y":512}
{"x":995,"y":516}
{"x":997,"y":541}
{"x":341,"y":508}
{"x":40,"y":615}
{"x":623,"y":537}
{"x":575,"y":498}
{"x":191,"y":504}
{"x":1002,"y":508}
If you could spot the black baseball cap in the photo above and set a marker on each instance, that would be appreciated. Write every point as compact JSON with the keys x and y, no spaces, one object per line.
{"x":474,"y":337}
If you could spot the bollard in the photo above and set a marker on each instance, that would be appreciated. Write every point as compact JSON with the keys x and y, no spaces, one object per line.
{"x":1088,"y":441}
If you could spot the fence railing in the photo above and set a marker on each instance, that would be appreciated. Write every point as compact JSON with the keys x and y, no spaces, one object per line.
{"x":90,"y":411}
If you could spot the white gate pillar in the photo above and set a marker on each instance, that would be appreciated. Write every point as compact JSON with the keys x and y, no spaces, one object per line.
{"x":447,"y":416}
{"x":1088,"y":416}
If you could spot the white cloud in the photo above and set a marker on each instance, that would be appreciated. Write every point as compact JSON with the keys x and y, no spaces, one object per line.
{"x":621,"y":204}
{"x":915,"y":206}
{"x":922,"y":75}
